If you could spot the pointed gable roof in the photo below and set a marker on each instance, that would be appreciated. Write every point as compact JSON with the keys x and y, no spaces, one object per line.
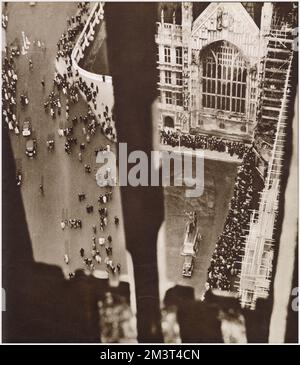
{"x":236,"y":10}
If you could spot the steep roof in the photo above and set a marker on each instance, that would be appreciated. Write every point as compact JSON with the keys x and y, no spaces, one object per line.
{"x":236,"y":12}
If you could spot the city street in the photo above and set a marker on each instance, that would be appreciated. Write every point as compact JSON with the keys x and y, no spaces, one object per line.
{"x":211,"y":209}
{"x":63,"y":176}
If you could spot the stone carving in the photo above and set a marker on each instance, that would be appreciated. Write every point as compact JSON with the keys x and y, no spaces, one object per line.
{"x":224,"y":19}
{"x":195,"y":57}
{"x":219,"y":18}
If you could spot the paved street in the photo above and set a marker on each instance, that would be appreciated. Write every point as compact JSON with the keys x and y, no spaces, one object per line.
{"x":63,"y":175}
{"x":211,"y":208}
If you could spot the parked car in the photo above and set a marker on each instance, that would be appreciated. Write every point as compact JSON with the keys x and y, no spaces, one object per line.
{"x":31,"y":148}
{"x":26,"y":130}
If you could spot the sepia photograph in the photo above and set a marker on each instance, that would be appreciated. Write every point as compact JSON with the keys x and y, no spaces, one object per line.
{"x":149,"y":173}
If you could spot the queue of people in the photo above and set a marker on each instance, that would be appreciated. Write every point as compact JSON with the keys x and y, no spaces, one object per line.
{"x":224,"y":262}
{"x":212,"y":143}
{"x":9,"y":89}
{"x":66,"y":43}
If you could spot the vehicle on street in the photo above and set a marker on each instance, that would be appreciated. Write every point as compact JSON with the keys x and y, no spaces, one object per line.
{"x":188,"y":266}
{"x":50,"y":142}
{"x":26,"y":130}
{"x":190,"y":245}
{"x":31,"y":148}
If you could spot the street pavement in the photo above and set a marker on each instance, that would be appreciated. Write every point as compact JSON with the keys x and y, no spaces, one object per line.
{"x":211,"y":207}
{"x":63,"y":176}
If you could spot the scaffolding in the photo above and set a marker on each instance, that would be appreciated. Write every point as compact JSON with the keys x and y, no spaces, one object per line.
{"x":256,"y":268}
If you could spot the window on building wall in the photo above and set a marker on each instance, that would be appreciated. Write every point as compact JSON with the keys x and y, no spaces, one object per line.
{"x":193,"y":100}
{"x":224,"y":75}
{"x":252,"y":109}
{"x":167,"y":54}
{"x":253,"y":92}
{"x":179,"y":100}
{"x":168,"y":77}
{"x":179,"y":78}
{"x":168,"y":97}
{"x":179,"y":55}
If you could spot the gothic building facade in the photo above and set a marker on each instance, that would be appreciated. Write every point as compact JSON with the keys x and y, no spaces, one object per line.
{"x":209,"y":66}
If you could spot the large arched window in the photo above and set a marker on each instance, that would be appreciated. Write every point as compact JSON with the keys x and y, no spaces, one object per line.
{"x":224,"y":75}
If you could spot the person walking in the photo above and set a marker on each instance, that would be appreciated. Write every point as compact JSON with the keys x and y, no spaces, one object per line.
{"x":81,"y":252}
{"x":42,"y":189}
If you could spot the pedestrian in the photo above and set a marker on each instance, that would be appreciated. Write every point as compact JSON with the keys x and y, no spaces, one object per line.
{"x":81,"y":252}
{"x":43,"y":83}
{"x":63,"y":224}
{"x":80,"y":156}
{"x":30,"y":65}
{"x":42,"y":189}
{"x":119,"y":267}
{"x":66,"y":259}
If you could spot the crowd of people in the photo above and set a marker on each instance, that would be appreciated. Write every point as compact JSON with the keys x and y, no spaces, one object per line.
{"x":212,"y":143}
{"x":65,"y":90}
{"x":66,"y":43}
{"x":9,"y":89}
{"x":71,"y":82}
{"x":224,"y":264}
{"x":105,"y":119}
{"x":94,"y":257}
